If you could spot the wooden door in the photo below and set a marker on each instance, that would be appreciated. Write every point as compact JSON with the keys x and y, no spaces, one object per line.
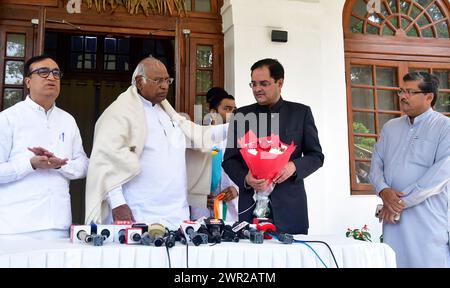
{"x":16,"y":46}
{"x":205,"y":72}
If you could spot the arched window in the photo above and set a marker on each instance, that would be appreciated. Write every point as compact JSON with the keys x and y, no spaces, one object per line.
{"x":384,"y":40}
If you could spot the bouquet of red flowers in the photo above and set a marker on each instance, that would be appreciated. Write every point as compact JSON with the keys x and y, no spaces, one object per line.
{"x":265,"y":157}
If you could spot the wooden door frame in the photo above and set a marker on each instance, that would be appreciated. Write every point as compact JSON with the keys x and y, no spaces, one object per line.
{"x":29,"y":32}
{"x":218,"y":72}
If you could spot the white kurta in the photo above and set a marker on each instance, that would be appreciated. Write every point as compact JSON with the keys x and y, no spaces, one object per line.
{"x":35,"y":200}
{"x":159,"y":192}
{"x":415,"y":159}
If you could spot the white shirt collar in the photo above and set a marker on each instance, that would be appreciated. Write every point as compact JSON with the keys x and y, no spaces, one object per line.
{"x":38,"y":107}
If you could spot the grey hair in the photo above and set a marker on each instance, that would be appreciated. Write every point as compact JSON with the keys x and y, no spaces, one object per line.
{"x":139,"y":71}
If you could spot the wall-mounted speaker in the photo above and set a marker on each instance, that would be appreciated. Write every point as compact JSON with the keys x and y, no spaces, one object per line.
{"x":279,"y":36}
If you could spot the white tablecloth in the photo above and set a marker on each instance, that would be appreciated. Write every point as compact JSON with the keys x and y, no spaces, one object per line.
{"x":271,"y":254}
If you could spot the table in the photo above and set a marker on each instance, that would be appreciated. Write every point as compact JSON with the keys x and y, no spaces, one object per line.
{"x":271,"y":254}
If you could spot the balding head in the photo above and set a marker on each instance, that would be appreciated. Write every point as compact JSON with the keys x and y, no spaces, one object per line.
{"x":153,"y":70}
{"x":146,"y":65}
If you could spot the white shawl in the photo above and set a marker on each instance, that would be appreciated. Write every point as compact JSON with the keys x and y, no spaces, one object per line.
{"x":119,"y":139}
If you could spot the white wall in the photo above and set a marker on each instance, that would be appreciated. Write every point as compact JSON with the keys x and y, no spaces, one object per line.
{"x":313,"y":59}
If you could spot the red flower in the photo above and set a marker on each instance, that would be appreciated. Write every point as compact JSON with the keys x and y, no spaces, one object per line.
{"x":261,"y":160}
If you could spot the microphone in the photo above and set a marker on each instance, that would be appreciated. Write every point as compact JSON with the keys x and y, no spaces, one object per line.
{"x":243,"y":231}
{"x":285,"y":238}
{"x":146,"y":239}
{"x":269,"y":229}
{"x":266,"y":228}
{"x":133,"y":235}
{"x":215,"y":229}
{"x":157,"y":232}
{"x":80,"y":233}
{"x":106,"y":233}
{"x":97,"y":240}
{"x":190,"y":228}
{"x":204,"y":233}
{"x":170,"y":239}
{"x":121,"y":236}
{"x":83,"y":236}
{"x":143,"y":226}
{"x":179,"y":236}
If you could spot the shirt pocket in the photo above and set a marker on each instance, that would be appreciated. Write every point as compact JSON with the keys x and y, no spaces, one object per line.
{"x":423,"y":152}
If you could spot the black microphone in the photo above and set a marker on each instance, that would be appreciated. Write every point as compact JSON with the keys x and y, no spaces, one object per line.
{"x":179,"y":236}
{"x":170,"y":239}
{"x":229,"y":235}
{"x":215,"y":229}
{"x":285,"y":238}
{"x":143,"y":226}
{"x":106,"y":233}
{"x":122,"y":237}
{"x":244,"y":231}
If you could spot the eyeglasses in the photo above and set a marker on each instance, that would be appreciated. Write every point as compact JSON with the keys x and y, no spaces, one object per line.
{"x":408,"y":92}
{"x":161,"y":81}
{"x":263,"y":84}
{"x":44,"y":72}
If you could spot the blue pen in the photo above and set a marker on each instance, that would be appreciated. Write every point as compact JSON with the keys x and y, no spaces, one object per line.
{"x":62,"y":136}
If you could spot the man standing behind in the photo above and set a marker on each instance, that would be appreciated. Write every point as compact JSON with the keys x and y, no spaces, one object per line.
{"x":221,"y":107}
{"x":411,"y":173}
{"x":40,"y":151}
{"x":288,"y":199}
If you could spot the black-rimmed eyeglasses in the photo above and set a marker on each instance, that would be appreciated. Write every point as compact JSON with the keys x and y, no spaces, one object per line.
{"x":44,"y":72}
{"x":408,"y":92}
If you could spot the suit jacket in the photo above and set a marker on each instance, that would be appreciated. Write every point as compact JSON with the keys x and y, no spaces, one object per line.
{"x":288,"y":199}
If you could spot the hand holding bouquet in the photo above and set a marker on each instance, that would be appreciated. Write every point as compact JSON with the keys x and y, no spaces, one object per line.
{"x":265,"y":157}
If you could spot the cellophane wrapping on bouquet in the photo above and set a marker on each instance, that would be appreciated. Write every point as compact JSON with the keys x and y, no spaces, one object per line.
{"x":265,"y":157}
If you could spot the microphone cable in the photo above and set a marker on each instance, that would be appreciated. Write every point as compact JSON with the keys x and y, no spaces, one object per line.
{"x":187,"y":253}
{"x":322,"y":242}
{"x":312,"y":249}
{"x":168,"y":257}
{"x":248,"y":209}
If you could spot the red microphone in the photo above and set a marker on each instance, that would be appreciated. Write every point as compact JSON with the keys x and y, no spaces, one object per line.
{"x":267,"y":228}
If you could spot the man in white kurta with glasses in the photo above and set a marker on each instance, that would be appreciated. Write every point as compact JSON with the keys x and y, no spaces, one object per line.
{"x":411,"y":173}
{"x":40,"y":152}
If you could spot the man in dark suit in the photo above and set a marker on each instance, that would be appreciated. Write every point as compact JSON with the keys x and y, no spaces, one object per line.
{"x":293,"y":122}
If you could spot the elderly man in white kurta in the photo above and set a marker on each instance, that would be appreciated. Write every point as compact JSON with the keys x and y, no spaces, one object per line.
{"x":40,"y":152}
{"x":140,"y":169}
{"x":411,"y":173}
